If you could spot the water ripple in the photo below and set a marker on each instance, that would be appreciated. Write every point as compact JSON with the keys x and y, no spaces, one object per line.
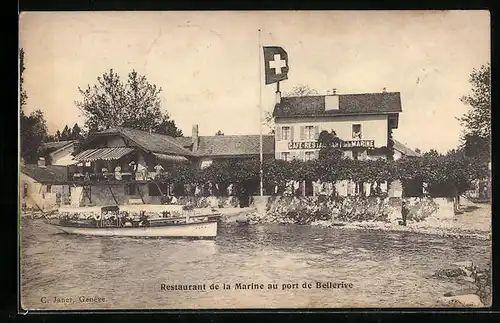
{"x":386,"y":269}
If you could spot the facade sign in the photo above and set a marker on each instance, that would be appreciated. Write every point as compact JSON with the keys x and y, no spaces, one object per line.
{"x":341,"y":144}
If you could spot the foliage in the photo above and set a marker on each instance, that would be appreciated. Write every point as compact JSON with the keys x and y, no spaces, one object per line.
{"x":301,"y":90}
{"x":135,"y":104}
{"x":22,"y":91}
{"x":33,"y":127}
{"x":33,"y":133}
{"x":446,"y":175}
{"x":74,"y":133}
{"x":477,"y":121}
{"x":219,"y":133}
{"x":476,"y":136}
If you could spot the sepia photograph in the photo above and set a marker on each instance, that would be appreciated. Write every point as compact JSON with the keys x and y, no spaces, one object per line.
{"x":254,"y":160}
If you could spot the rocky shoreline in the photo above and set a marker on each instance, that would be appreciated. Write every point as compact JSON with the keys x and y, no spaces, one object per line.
{"x":475,"y":282}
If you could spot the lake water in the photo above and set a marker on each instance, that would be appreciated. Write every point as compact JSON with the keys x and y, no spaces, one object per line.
{"x":385,"y":269}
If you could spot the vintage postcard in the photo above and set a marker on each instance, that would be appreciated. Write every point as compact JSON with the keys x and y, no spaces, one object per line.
{"x":254,"y":160}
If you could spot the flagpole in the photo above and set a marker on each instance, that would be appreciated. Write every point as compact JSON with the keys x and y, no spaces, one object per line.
{"x":260,"y":118}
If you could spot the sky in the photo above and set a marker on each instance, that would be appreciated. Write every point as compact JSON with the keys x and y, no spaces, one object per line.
{"x":207,"y":63}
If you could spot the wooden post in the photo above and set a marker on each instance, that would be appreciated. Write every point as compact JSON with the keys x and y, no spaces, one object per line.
{"x":140,"y":194}
{"x":112,"y":194}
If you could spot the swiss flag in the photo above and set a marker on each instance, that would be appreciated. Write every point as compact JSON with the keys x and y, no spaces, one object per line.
{"x":275,"y":64}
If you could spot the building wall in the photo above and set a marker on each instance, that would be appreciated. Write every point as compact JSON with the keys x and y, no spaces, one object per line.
{"x":373,"y":127}
{"x":39,"y":195}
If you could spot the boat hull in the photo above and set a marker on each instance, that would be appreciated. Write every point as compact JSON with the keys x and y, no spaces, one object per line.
{"x":199,"y":230}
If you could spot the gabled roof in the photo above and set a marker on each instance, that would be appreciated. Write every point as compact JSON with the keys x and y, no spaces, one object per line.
{"x":50,"y":173}
{"x":230,"y":145}
{"x":57,"y":145}
{"x":405,"y":150}
{"x":151,"y":142}
{"x":349,"y":104}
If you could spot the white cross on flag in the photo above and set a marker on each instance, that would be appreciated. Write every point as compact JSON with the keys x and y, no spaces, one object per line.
{"x":276,"y":64}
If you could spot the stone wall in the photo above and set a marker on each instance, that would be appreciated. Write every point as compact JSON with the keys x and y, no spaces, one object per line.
{"x":305,"y":210}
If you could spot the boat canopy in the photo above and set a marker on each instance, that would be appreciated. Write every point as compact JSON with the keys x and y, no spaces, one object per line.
{"x":84,"y":209}
{"x":155,"y":208}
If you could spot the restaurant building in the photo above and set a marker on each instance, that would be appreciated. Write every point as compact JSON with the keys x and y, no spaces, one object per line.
{"x":363,"y":122}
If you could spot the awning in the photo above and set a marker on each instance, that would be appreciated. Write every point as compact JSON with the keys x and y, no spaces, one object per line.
{"x":103,"y":154}
{"x":171,"y":158}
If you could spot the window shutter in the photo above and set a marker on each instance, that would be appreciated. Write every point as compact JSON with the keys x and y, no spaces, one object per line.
{"x":302,"y":155}
{"x":291,"y":133}
{"x":316,"y":154}
{"x":302,"y":133}
{"x":278,"y":133}
{"x":316,"y":132}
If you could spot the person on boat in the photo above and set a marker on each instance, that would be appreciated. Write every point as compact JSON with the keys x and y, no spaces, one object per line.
{"x":173,"y":199}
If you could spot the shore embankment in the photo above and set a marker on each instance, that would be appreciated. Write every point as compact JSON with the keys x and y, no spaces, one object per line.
{"x":426,"y":215}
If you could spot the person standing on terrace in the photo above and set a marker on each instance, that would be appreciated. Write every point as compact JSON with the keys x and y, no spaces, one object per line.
{"x":159,"y":171}
{"x":118,"y":173}
{"x":133,"y":168}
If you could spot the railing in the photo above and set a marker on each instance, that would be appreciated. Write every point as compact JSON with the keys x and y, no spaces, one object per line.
{"x":103,"y":177}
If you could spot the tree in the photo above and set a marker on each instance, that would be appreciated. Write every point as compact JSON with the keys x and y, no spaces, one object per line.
{"x":135,"y":104}
{"x":33,"y":133}
{"x":301,"y":90}
{"x":168,"y":127}
{"x":329,"y":146}
{"x":33,"y":127}
{"x":76,"y":132}
{"x":219,"y":133}
{"x":66,"y":133}
{"x":476,"y":136}
{"x":24,"y":96}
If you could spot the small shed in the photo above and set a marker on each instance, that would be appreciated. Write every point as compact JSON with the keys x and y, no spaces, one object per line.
{"x":36,"y":189}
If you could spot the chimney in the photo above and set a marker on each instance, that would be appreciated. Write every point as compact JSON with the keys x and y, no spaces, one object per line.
{"x":331,"y":92}
{"x":41,"y":162}
{"x":384,"y":90}
{"x":194,"y":137}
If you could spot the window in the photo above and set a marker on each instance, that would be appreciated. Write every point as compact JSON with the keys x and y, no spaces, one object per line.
{"x":49,"y":188}
{"x":355,"y":155}
{"x":286,"y":133}
{"x":25,"y":190}
{"x":309,"y":155}
{"x":285,"y":156}
{"x":309,"y":133}
{"x":356,"y":131}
